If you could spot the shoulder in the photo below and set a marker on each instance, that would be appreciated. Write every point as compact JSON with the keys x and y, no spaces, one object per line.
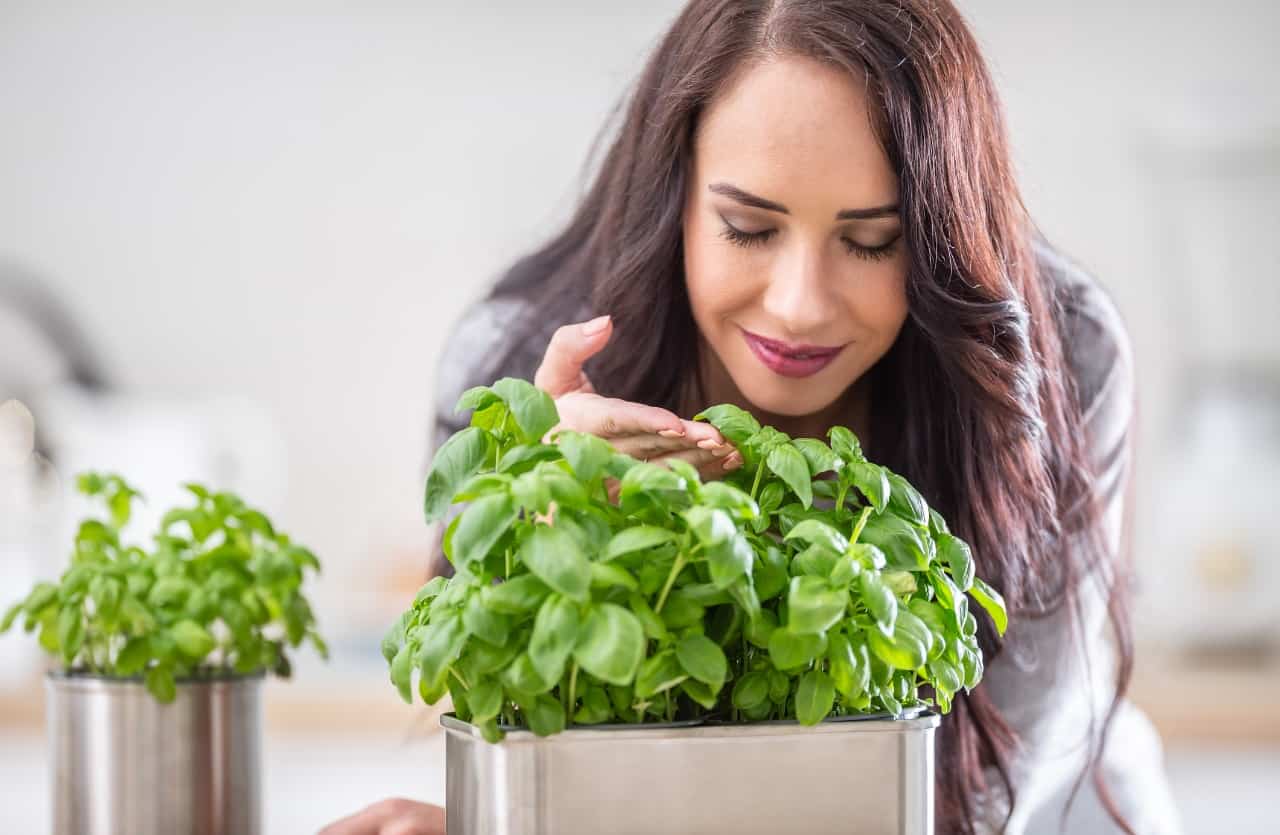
{"x":1095,"y":340}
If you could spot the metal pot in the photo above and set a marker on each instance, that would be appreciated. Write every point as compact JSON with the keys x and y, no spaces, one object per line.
{"x":124,"y":764}
{"x":870,"y":775}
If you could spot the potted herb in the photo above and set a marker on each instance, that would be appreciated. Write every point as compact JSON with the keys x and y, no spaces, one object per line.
{"x":812,"y":587}
{"x":153,"y":711}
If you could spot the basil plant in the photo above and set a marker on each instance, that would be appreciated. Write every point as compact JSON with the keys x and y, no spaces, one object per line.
{"x":217,"y":593}
{"x":809,"y":583}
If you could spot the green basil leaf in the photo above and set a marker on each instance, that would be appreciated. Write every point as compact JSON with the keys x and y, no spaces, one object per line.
{"x":729,"y":554}
{"x":898,"y":539}
{"x":759,"y":630}
{"x":734,"y":423}
{"x":752,"y":690}
{"x":193,"y":640}
{"x":134,"y":656}
{"x":650,"y":480}
{"x":484,"y":622}
{"x":816,"y":560}
{"x":161,"y":685}
{"x":457,"y":460}
{"x":611,"y":644}
{"x":725,"y":496}
{"x":845,"y":444}
{"x":815,"y":697}
{"x":480,"y":527}
{"x":992,"y":601}
{"x":701,"y":693}
{"x":402,"y":672}
{"x":604,"y":575}
{"x":945,"y":675}
{"x":638,"y":538}
{"x":524,"y":457}
{"x":871,"y":480}
{"x":659,"y":674}
{"x":770,"y":572}
{"x":555,"y":632}
{"x":70,"y":631}
{"x":813,"y":606}
{"x":818,"y":455}
{"x":544,"y":715}
{"x":442,"y":642}
{"x":475,"y":398}
{"x":533,"y":409}
{"x":819,"y":533}
{"x":485,"y":699}
{"x":703,"y":659}
{"x":790,"y":650}
{"x":906,"y":501}
{"x":558,"y":561}
{"x":900,"y":650}
{"x":786,"y":462}
{"x":587,"y":455}
{"x":878,"y":600}
{"x":955,"y":553}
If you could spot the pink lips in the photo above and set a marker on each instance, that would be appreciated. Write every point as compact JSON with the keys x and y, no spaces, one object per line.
{"x":788,"y":359}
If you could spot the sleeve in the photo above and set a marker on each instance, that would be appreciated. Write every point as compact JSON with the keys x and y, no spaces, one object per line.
{"x":1055,"y":678}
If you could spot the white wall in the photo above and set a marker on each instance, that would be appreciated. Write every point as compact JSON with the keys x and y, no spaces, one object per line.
{"x":289,"y":202}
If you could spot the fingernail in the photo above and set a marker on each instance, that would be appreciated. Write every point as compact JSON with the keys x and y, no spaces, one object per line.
{"x":733,"y":462}
{"x":671,"y":433}
{"x":708,"y":443}
{"x":595,"y":326}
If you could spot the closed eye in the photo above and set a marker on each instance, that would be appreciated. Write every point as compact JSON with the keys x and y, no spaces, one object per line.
{"x":750,"y":239}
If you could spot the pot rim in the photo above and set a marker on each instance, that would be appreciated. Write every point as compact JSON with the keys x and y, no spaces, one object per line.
{"x":64,"y":677}
{"x":921,"y":714}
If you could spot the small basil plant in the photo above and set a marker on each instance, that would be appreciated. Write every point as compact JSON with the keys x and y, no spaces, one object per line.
{"x":809,"y":583}
{"x":218,"y":592}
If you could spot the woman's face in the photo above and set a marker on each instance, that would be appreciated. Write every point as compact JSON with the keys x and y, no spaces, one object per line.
{"x":792,"y":252}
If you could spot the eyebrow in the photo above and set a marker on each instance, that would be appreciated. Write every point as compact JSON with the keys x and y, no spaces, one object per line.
{"x":746,"y":198}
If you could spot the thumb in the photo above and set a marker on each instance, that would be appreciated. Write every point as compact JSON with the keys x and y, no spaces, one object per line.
{"x":571,"y":346}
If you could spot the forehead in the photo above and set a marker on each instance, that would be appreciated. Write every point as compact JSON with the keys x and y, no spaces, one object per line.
{"x":799,"y":132}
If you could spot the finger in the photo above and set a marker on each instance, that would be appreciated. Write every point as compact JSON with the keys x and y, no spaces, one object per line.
{"x":609,"y":417}
{"x":709,"y":466}
{"x":424,"y":820}
{"x":571,"y":346}
{"x":647,"y":447}
{"x":701,"y":431}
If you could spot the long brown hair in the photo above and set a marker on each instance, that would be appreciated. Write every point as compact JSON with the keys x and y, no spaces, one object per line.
{"x":974,"y":403}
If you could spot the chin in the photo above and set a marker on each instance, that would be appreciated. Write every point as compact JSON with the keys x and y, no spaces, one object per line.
{"x":791,"y":398}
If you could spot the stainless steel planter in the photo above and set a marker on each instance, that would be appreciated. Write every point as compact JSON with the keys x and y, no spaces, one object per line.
{"x":871,"y":776}
{"x":123,"y":764}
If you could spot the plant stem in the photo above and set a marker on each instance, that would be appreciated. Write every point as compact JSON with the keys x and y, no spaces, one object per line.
{"x":573,"y":697}
{"x":507,"y":576}
{"x":459,"y":677}
{"x":756,"y":484}
{"x":676,"y":568}
{"x":857,"y":529}
{"x":844,"y":489}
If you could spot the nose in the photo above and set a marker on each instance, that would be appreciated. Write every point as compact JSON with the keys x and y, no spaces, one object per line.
{"x":799,"y":297}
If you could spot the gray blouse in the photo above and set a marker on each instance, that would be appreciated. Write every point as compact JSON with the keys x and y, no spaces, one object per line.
{"x":1053,"y":691}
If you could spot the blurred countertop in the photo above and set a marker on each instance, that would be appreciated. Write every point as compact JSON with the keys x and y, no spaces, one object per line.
{"x":1181,"y":697}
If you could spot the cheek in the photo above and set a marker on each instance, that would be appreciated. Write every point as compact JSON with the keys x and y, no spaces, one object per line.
{"x":719,"y":281}
{"x":879,"y":304}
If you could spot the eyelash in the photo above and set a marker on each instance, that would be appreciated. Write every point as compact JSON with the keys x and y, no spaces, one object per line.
{"x":749,"y":239}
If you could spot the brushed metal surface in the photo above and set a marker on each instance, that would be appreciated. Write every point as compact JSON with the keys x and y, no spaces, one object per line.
{"x":871,"y":776}
{"x":123,"y":764}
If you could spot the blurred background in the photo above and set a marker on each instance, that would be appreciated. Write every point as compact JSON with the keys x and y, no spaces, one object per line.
{"x":234,"y":236}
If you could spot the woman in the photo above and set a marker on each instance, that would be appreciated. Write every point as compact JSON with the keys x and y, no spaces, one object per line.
{"x":810,"y":211}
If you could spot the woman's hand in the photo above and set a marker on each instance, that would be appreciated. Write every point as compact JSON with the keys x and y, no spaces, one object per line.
{"x":393,"y":816}
{"x":644,"y":432}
